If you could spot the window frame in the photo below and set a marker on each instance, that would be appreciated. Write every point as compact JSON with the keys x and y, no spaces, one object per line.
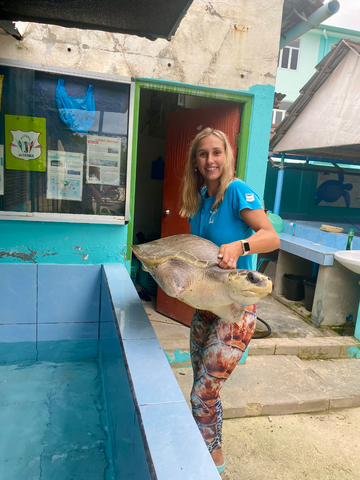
{"x":70,"y":217}
{"x":290,"y":57}
{"x":276,"y":110}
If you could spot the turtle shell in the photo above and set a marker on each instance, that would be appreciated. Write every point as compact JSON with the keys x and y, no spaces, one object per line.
{"x":192,"y":249}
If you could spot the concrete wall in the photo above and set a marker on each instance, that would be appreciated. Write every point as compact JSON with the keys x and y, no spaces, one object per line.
{"x":230,"y":45}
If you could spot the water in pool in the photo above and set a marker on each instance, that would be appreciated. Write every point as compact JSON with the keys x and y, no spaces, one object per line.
{"x":53,"y":417}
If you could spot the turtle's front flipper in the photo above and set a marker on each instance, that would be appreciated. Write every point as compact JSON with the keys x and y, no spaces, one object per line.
{"x":232,"y":313}
{"x":173,"y":276}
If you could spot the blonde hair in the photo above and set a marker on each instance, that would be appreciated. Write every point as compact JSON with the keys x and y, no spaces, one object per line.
{"x":193,"y":181}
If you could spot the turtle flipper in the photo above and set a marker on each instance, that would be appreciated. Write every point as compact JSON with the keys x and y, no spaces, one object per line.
{"x":232,"y":312}
{"x":173,"y":276}
{"x":346,"y":196}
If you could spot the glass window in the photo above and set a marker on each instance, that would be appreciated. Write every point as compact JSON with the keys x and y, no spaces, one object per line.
{"x":278,"y":116}
{"x":64,"y":144}
{"x":285,"y":57}
{"x":294,"y":59}
{"x":289,"y":56}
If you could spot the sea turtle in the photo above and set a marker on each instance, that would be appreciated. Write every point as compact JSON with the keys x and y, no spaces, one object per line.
{"x":331,"y":190}
{"x":187,"y":267}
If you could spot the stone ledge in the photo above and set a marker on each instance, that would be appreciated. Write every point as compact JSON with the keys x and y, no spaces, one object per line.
{"x":284,"y":385}
{"x":310,"y":347}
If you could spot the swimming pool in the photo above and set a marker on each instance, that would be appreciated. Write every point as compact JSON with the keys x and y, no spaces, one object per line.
{"x":85,"y":388}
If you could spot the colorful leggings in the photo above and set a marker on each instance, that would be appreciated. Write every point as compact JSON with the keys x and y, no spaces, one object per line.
{"x":216,"y":347}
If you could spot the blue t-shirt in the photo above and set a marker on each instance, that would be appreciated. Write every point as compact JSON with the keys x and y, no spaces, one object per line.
{"x":225,"y":224}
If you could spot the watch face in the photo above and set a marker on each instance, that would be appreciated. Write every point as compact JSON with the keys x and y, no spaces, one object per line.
{"x":246,"y":246}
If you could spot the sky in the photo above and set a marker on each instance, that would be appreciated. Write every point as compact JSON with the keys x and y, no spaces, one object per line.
{"x":347,"y":17}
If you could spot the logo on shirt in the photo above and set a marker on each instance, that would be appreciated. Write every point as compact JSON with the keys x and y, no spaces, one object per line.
{"x":212,"y":215}
{"x":249,"y":197}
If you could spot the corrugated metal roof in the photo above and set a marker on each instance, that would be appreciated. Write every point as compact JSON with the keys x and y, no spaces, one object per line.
{"x":324,"y":70}
{"x":152,"y":19}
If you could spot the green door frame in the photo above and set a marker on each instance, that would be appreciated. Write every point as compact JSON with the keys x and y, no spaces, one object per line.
{"x":243,"y":98}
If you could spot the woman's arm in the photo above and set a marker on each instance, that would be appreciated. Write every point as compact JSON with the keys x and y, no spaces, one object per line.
{"x":265,"y":239}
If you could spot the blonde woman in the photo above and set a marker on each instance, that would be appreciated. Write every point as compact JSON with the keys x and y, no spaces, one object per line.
{"x":226,"y":211}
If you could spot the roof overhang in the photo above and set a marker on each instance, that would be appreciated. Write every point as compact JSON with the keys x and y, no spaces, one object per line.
{"x":324,"y":121}
{"x":151,"y":19}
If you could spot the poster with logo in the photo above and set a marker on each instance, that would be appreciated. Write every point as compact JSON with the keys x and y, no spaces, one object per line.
{"x":103,"y":160}
{"x":25,"y":143}
{"x":1,"y":169}
{"x":64,"y":176}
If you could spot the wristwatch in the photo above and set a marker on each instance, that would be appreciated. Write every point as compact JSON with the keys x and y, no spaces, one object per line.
{"x":246,"y":247}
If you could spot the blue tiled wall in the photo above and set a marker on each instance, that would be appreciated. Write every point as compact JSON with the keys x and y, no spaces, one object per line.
{"x":51,"y":308}
{"x":68,"y":302}
{"x":41,"y":304}
{"x":129,"y":459}
{"x":165,"y":416}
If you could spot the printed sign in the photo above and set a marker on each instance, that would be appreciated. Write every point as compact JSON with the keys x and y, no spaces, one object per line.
{"x":103,"y":160}
{"x":65,"y":175}
{"x":25,"y":143}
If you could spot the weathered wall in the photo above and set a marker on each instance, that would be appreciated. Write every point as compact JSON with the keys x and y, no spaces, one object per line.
{"x":232,"y":45}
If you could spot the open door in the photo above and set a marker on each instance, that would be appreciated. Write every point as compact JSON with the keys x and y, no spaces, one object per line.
{"x":182,"y":127}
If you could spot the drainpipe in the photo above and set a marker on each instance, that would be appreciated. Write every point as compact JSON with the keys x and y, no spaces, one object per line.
{"x":313,"y":21}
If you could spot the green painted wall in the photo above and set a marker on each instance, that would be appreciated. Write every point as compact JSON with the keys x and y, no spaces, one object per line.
{"x":298,"y":195}
{"x":291,"y":81}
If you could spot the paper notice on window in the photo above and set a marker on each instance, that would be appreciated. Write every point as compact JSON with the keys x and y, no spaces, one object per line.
{"x":64,"y":175}
{"x":103,"y":160}
{"x":1,"y":169}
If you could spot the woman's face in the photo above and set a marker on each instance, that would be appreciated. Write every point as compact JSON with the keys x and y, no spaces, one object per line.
{"x":210,"y":159}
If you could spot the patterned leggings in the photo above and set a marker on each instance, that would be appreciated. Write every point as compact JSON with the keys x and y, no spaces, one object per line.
{"x":216,"y":347}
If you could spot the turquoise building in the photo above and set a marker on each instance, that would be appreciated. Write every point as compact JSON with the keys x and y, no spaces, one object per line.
{"x":296,"y":65}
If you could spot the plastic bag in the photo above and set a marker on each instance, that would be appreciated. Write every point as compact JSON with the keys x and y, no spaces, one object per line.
{"x":78,"y":113}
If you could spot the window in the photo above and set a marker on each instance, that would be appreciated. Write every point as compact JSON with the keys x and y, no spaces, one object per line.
{"x":278,"y":116}
{"x":289,"y":56}
{"x":64,"y":146}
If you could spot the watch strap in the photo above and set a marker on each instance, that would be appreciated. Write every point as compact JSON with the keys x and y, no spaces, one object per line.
{"x":246,"y":247}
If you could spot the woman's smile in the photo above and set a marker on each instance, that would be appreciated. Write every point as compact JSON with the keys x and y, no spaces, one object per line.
{"x":210,"y":159}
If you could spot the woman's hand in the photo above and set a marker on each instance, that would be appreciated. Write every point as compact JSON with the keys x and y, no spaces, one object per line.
{"x":229,"y":253}
{"x":265,"y":239}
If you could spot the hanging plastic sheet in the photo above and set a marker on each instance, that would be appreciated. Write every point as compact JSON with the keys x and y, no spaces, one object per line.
{"x":78,"y":113}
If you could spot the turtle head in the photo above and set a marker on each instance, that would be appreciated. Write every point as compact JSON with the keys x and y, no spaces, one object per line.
{"x":247,"y":286}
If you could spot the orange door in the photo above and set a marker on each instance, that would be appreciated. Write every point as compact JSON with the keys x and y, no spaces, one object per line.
{"x":182,"y":127}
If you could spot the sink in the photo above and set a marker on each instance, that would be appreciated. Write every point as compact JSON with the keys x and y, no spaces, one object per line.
{"x":350,"y":259}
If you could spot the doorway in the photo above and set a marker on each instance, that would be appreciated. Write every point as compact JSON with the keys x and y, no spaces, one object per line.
{"x":155,"y":108}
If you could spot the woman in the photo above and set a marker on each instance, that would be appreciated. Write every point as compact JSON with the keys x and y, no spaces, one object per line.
{"x":226,"y":211}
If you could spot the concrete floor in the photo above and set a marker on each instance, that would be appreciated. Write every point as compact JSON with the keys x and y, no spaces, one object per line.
{"x":293,"y":447}
{"x":309,"y":446}
{"x":283,"y":320}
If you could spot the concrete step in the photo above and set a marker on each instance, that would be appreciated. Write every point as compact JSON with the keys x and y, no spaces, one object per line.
{"x":178,"y":353}
{"x":284,"y":384}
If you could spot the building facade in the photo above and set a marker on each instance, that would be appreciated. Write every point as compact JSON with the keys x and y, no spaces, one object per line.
{"x":218,"y":57}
